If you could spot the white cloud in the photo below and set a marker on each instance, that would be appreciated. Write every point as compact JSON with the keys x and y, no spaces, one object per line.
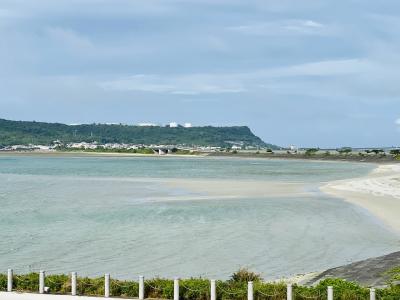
{"x":192,"y":84}
{"x":69,"y":38}
{"x":140,"y":82}
{"x":398,"y":122}
{"x":311,"y":23}
{"x":323,"y":68}
{"x":219,"y":83}
{"x":283,"y":27}
{"x":216,"y":43}
{"x":7,"y":13}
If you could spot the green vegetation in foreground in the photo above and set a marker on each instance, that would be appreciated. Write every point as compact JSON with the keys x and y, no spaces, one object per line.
{"x":199,"y":288}
{"x":40,"y":133}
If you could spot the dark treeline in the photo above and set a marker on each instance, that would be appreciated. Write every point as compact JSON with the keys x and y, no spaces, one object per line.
{"x":24,"y":132}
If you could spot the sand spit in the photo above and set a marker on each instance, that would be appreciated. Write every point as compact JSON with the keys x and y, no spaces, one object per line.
{"x":378,"y":192}
{"x":238,"y":188}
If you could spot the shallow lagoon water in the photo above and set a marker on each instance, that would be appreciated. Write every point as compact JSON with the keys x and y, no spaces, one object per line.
{"x":116,"y":214}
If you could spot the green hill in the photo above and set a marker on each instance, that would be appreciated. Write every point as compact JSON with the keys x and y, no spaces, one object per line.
{"x":24,"y":132}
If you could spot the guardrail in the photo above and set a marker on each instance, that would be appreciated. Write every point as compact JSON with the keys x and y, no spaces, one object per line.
{"x":213,"y":287}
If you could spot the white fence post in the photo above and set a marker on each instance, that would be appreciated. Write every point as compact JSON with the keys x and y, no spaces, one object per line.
{"x":73,"y":283}
{"x":41,"y":282}
{"x":141,"y":287}
{"x":213,"y":290}
{"x":176,"y":289}
{"x":9,"y":280}
{"x":250,"y":290}
{"x":107,"y":285}
{"x":330,"y":293}
{"x":289,"y":292}
{"x":372,"y":295}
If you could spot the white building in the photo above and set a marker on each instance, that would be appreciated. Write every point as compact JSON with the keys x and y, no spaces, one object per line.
{"x":173,"y":124}
{"x":42,"y":147}
{"x":83,"y":145}
{"x":146,"y":124}
{"x":187,"y":125}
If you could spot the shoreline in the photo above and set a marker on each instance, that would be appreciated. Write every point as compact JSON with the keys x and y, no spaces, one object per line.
{"x":315,"y":158}
{"x":91,"y":154}
{"x":387,"y":159}
{"x":378,"y":193}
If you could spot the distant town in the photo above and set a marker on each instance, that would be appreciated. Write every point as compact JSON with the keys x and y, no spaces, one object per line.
{"x":134,"y":148}
{"x":234,"y":148}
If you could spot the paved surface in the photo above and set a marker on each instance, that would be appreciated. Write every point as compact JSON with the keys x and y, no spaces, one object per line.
{"x":27,"y":296}
{"x":366,"y":272}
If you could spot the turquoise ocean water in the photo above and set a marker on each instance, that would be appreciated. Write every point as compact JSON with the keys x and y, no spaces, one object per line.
{"x":116,"y":214}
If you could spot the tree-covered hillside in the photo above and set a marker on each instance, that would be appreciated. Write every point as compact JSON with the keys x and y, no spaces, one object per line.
{"x":23,"y":132}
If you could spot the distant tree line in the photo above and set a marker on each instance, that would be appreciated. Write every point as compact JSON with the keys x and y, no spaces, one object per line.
{"x":23,"y":132}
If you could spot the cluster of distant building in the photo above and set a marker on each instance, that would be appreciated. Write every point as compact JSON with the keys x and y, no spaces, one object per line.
{"x":29,"y":147}
{"x":161,"y":149}
{"x":145,"y":124}
{"x":165,"y":149}
{"x":171,"y":125}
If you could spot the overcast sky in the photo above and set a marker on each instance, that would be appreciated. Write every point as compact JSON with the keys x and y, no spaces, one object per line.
{"x":309,"y":73}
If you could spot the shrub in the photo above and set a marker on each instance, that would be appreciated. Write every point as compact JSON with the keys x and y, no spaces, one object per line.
{"x":311,"y":151}
{"x":228,"y":290}
{"x":395,"y":152}
{"x":377,"y":151}
{"x":343,"y":289}
{"x":244,"y":275}
{"x":159,"y":288}
{"x":3,"y":282}
{"x":195,"y":289}
{"x":269,"y":290}
{"x":28,"y":282}
{"x":58,"y":284}
{"x":393,"y":274}
{"x":344,"y":150}
{"x":91,"y":286}
{"x":124,"y":288}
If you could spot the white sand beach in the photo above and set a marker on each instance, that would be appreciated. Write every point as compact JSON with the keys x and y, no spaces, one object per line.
{"x":378,"y":192}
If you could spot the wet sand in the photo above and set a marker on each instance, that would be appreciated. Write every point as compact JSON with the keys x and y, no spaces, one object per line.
{"x":238,"y":188}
